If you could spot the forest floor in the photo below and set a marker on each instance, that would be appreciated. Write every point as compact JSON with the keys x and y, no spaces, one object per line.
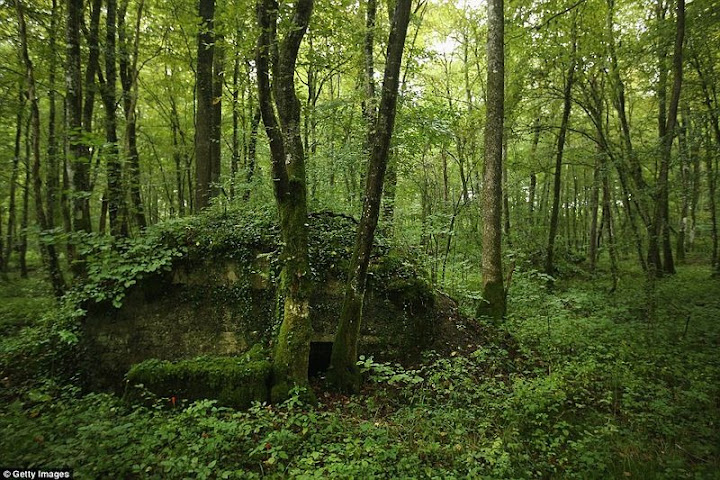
{"x":579,"y":384}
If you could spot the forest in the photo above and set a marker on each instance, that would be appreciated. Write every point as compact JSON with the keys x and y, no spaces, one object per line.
{"x":360,"y":239}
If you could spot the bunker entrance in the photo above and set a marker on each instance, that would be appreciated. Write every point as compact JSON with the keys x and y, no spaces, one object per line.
{"x":319,"y":358}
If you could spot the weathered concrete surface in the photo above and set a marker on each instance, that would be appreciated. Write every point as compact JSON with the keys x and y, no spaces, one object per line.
{"x":223,"y":306}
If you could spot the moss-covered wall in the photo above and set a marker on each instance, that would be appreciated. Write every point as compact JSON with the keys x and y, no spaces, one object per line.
{"x":220,"y":301}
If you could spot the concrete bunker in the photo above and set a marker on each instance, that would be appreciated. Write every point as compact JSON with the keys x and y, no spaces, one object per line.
{"x":219,"y":299}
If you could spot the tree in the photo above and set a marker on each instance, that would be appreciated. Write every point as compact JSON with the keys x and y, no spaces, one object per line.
{"x":492,"y":196}
{"x":79,"y":160}
{"x":129,"y":81}
{"x":47,"y":249}
{"x":205,"y":129}
{"x":567,"y":105}
{"x":277,"y":92}
{"x":116,"y":194}
{"x":344,"y":373}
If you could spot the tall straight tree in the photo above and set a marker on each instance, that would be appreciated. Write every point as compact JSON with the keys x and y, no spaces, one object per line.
{"x":14,"y":176}
{"x":116,"y":207}
{"x":344,"y":373}
{"x":52,"y":143}
{"x":492,"y":197}
{"x":47,"y":250}
{"x":129,"y":80}
{"x":567,"y":104}
{"x":292,"y":346}
{"x":660,"y":231}
{"x":205,"y":121}
{"x":79,"y":152}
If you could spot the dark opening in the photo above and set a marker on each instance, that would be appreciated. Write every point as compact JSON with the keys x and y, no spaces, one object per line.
{"x":319,"y":358}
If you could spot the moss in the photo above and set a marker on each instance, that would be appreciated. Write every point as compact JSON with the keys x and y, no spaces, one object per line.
{"x":411,"y":293}
{"x":398,"y":276}
{"x":232,"y":381}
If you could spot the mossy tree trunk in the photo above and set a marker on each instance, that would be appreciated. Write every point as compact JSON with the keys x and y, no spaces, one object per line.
{"x":276,"y":91}
{"x":344,"y":373}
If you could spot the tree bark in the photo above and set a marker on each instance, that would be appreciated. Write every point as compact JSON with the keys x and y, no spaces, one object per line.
{"x":506,"y":196}
{"x":93,"y":66}
{"x":217,"y":86}
{"x":661,"y":228}
{"x":292,"y":345}
{"x":178,"y":154}
{"x":594,"y":199}
{"x":129,"y":82}
{"x":25,"y":216}
{"x":685,"y":186}
{"x":344,"y":373}
{"x":204,"y":131}
{"x":567,"y":104}
{"x":494,"y":294}
{"x":252,"y":153}
{"x":712,"y":190}
{"x":115,"y":191}
{"x":14,"y":176}
{"x":52,"y":143}
{"x":79,"y":160}
{"x":236,"y":112}
{"x":608,"y":222}
{"x":47,"y":248}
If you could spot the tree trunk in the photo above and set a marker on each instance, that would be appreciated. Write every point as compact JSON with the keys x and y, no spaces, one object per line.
{"x":344,"y":373}
{"x":567,"y":104}
{"x":217,"y":86}
{"x":292,"y":346}
{"x":608,"y":223}
{"x":505,"y":195}
{"x":661,"y":228}
{"x":14,"y":176}
{"x":252,"y":152}
{"x":93,"y":66}
{"x":129,"y":81}
{"x":79,"y":160}
{"x":369,"y":102}
{"x":204,"y":131}
{"x":236,"y":111}
{"x":594,"y":198}
{"x":708,"y":97}
{"x":533,"y":175}
{"x":47,"y":248}
{"x":685,"y":189}
{"x":52,"y":143}
{"x":24,"y":219}
{"x":712,"y":190}
{"x":494,"y":293}
{"x":115,"y":191}
{"x":637,"y":197}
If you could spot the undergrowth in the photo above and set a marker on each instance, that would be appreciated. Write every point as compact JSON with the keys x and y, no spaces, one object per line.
{"x":587,"y":389}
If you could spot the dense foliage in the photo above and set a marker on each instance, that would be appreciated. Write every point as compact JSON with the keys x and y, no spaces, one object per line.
{"x":121,"y":120}
{"x":575,"y":387}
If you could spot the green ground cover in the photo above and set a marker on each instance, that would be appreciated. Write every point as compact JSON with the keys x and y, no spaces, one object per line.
{"x":578,"y":385}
